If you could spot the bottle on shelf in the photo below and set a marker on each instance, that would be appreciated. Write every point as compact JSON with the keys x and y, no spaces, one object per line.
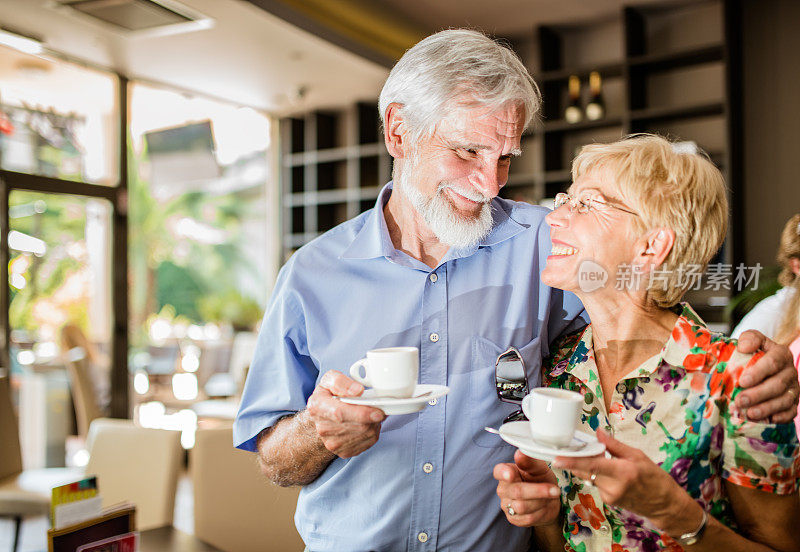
{"x":596,"y":108}
{"x":573,"y":113}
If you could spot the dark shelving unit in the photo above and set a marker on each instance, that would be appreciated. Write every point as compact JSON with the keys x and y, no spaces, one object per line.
{"x":333,"y":166}
{"x":713,"y":60}
{"x":334,"y":163}
{"x":555,"y":127}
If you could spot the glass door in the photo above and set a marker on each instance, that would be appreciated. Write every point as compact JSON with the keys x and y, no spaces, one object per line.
{"x":63,"y":191}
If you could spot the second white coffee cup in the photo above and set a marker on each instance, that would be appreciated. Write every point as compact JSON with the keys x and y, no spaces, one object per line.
{"x":392,"y":372}
{"x":553,"y":415}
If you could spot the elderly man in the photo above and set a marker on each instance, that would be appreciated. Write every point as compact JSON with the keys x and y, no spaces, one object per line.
{"x":440,"y":263}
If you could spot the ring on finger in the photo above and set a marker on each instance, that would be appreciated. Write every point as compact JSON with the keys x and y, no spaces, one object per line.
{"x":591,"y":480}
{"x":510,"y":510}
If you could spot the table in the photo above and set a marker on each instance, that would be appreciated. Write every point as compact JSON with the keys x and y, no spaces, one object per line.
{"x":173,"y":540}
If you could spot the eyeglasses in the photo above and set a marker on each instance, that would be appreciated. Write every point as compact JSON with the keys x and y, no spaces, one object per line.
{"x":585,"y":205}
{"x":511,"y":381}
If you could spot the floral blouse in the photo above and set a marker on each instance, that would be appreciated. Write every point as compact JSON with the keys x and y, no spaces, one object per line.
{"x":678,"y":408}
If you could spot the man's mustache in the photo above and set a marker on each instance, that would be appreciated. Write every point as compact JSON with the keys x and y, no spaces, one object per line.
{"x":471,"y":194}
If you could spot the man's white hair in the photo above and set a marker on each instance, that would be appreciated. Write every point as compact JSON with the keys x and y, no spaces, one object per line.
{"x":456,"y":65}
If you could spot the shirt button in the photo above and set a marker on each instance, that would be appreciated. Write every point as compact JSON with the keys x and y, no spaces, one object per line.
{"x":434,"y":337}
{"x":604,"y":529}
{"x":433,"y":402}
{"x":433,"y":277}
{"x":422,"y":537}
{"x":427,"y":467}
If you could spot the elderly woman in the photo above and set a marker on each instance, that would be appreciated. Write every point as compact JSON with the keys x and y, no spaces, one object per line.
{"x":684,"y":468}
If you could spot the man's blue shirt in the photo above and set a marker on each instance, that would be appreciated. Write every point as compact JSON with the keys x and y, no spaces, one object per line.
{"x":349,"y":291}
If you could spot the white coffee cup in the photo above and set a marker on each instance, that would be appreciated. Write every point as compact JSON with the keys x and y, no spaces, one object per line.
{"x":391,"y":372}
{"x":553,"y":415}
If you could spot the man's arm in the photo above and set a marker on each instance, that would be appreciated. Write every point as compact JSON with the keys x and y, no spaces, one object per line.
{"x":298,"y":448}
{"x":290,"y":452}
{"x":771,"y":385}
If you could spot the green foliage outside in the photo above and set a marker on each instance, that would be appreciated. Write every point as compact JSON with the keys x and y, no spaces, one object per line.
{"x":194,"y":280}
{"x":175,"y":277}
{"x":60,"y":221}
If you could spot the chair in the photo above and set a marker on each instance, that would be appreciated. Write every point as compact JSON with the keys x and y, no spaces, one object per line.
{"x":78,"y":358}
{"x":23,"y":493}
{"x":138,"y":465}
{"x":230,"y":383}
{"x":243,"y":349}
{"x":83,"y":394}
{"x":235,"y":508}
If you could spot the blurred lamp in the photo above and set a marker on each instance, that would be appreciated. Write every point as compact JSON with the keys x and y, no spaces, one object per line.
{"x":184,"y":386}
{"x":26,"y":243}
{"x":190,"y":362}
{"x":26,"y":357}
{"x":141,"y":383}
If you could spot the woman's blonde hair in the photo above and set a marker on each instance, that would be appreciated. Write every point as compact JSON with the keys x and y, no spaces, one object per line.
{"x":789,"y":249}
{"x":668,"y":189}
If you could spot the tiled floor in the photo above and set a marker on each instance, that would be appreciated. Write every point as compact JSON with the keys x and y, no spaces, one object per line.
{"x":33,"y":536}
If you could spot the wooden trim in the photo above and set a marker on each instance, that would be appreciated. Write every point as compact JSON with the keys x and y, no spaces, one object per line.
{"x":46,"y":184}
{"x":654,"y":63}
{"x":671,"y":113}
{"x":119,"y":407}
{"x":563,"y":126}
{"x":607,"y":71}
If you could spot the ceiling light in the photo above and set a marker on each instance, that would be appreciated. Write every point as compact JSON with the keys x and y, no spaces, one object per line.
{"x":20,"y":42}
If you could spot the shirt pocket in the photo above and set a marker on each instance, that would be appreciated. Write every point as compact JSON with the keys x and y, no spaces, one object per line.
{"x":485,"y":408}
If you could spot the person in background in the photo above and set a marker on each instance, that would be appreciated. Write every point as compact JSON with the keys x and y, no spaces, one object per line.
{"x":777,"y":316}
{"x":684,"y":466}
{"x":440,"y":263}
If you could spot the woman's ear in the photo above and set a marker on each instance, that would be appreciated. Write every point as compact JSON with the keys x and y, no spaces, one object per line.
{"x":657,"y":245}
{"x":794,"y":265}
{"x":394,"y":131}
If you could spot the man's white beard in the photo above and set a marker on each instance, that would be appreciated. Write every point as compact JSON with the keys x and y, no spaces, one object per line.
{"x":447,"y":224}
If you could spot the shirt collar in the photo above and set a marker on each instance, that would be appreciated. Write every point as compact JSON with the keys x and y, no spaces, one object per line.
{"x":688,"y":333}
{"x":373,"y":239}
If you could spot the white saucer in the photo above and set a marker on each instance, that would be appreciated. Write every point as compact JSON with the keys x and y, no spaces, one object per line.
{"x":519,"y":435}
{"x":399,"y":406}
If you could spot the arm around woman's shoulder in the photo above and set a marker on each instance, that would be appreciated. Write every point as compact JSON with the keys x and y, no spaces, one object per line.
{"x":761,"y":469}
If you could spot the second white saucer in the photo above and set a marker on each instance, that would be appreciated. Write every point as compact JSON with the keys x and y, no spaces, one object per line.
{"x":519,"y":435}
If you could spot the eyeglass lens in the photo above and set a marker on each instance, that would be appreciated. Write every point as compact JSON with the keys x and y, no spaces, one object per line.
{"x":511,"y":381}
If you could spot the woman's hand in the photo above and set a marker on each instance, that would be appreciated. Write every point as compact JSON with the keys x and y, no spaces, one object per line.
{"x":630,"y":480}
{"x":529,"y":494}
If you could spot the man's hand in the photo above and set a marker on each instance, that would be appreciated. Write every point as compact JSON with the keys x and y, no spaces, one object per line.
{"x":345,"y":429}
{"x":528,"y":492}
{"x":772,"y":387}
